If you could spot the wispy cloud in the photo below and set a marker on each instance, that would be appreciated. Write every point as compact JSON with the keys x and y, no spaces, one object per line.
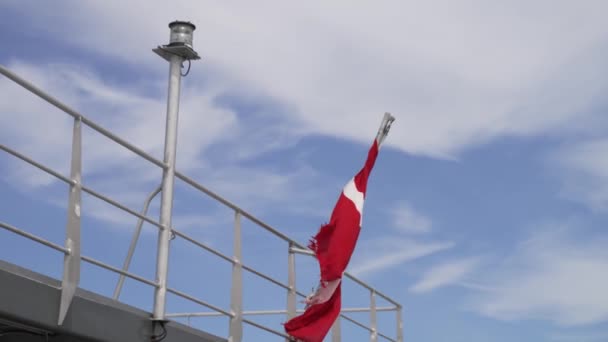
{"x":381,"y":254}
{"x":445,"y":274}
{"x":407,"y":220}
{"x":557,"y":275}
{"x":397,"y":248}
{"x":584,"y":170}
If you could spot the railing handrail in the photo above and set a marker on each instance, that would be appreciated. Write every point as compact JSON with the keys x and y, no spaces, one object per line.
{"x":142,"y":217}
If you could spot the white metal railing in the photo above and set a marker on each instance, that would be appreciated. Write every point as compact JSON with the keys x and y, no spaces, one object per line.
{"x":73,"y":257}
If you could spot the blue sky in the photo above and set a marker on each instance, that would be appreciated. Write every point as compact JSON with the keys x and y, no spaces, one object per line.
{"x":487,"y":209}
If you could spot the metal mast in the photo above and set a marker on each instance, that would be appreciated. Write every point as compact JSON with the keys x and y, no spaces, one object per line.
{"x":176,"y":52}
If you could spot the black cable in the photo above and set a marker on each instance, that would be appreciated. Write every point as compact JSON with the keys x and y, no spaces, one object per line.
{"x":162,"y":335}
{"x":187,"y":71}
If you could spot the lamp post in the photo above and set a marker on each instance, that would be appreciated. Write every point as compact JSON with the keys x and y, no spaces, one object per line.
{"x":178,"y":50}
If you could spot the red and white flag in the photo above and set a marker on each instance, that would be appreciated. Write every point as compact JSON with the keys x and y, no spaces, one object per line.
{"x":333,"y":246}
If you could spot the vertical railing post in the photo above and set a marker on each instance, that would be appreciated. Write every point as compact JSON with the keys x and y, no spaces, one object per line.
{"x":291,"y":282}
{"x":236,"y":293}
{"x":373,"y":318}
{"x":71,"y":261}
{"x":399,"y":324}
{"x":336,"y":333}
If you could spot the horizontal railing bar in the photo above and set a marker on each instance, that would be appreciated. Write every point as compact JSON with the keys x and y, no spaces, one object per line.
{"x":348,"y":275}
{"x":227,"y":258}
{"x":118,"y":270}
{"x":301,"y":251}
{"x":33,"y":237}
{"x":65,"y":251}
{"x":279,"y":312}
{"x":344,"y":310}
{"x":84,"y":188}
{"x":262,"y":275}
{"x":270,"y":229}
{"x":381,"y":308}
{"x":357,"y":323}
{"x":234,"y":207}
{"x":259,"y":326}
{"x":202,"y":245}
{"x":120,"y":206}
{"x":36,"y":164}
{"x":386,"y":337}
{"x":387,"y":298}
{"x":123,"y":142}
{"x":271,"y":312}
{"x":198,"y":301}
{"x":195,"y":314}
{"x":264,"y":312}
{"x":40,"y":93}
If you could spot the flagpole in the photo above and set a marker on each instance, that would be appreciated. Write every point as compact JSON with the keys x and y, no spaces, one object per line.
{"x":385,"y":127}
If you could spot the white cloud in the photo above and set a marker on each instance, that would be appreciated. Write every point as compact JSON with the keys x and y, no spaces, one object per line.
{"x":407,"y":220}
{"x":384,"y":253}
{"x":557,"y":276}
{"x":584,"y":170}
{"x":389,"y":251}
{"x":445,"y":274}
{"x":455,"y":75}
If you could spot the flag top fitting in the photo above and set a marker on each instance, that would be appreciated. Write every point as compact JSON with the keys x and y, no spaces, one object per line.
{"x":385,"y":127}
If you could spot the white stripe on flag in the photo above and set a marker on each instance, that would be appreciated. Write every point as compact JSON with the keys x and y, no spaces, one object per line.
{"x":352,"y":193}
